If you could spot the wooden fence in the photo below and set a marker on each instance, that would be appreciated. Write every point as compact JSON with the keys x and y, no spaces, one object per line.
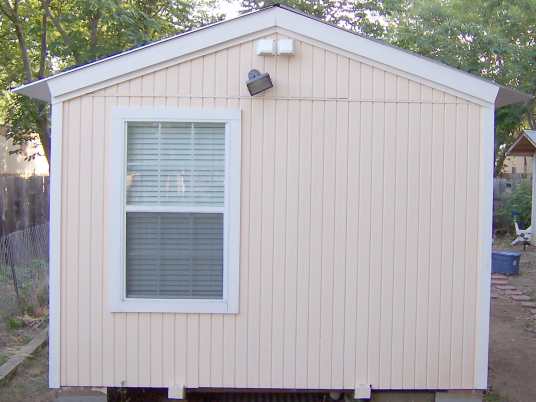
{"x":23,"y":202}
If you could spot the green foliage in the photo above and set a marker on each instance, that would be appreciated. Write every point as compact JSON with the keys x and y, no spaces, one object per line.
{"x":14,"y":323}
{"x":41,"y":37}
{"x":517,"y":204}
{"x":360,"y":16}
{"x":493,"y":397}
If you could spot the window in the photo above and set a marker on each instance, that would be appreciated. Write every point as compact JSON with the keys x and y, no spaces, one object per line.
{"x":175,"y":194}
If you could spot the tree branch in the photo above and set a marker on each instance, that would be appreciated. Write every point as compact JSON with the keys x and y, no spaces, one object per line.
{"x":93,"y":30}
{"x":530,"y":115}
{"x":5,"y":8}
{"x":66,"y":38}
{"x":43,"y":53}
{"x":12,"y":13}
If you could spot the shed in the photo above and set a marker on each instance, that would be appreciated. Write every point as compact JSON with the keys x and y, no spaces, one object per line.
{"x":331,"y":233}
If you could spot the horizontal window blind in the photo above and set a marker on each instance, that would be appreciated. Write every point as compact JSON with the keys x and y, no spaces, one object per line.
{"x":172,"y":254}
{"x":175,"y":164}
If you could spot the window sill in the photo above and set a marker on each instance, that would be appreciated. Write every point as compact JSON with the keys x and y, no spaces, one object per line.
{"x":172,"y":306}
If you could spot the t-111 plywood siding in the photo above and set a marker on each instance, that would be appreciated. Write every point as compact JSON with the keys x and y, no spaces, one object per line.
{"x":359,"y":232}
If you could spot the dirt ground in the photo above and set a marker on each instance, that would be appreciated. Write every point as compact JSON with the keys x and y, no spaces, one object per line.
{"x":12,"y":337}
{"x":513,"y":336}
{"x":512,"y":349}
{"x":30,"y":382}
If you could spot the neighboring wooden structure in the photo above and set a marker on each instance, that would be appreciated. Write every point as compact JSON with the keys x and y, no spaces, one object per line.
{"x":365,"y":210}
{"x":23,"y":202}
{"x":525,"y":145}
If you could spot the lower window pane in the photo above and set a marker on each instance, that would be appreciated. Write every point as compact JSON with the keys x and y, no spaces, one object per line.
{"x":174,"y":255}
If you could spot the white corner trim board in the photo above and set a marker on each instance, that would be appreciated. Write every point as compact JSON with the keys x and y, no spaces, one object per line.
{"x":118,"y":302}
{"x":484,"y":255}
{"x":165,"y":50}
{"x":55,"y":246}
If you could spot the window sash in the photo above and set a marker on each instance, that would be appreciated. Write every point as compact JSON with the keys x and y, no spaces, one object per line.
{"x":169,"y":208}
{"x":170,"y":254}
{"x":176,"y":163}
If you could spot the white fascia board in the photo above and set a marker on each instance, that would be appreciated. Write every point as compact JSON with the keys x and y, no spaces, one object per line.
{"x":147,"y":56}
{"x":391,"y":56}
{"x":219,"y":33}
{"x":36,"y":90}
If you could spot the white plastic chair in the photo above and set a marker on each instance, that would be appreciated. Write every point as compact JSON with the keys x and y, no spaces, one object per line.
{"x":523,"y":235}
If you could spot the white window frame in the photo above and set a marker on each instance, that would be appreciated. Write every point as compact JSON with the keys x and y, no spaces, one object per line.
{"x":117,"y":170}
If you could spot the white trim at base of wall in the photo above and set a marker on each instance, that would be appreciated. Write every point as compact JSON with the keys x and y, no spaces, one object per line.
{"x":54,"y":282}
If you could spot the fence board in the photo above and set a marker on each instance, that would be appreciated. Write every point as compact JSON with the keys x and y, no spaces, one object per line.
{"x":23,"y":202}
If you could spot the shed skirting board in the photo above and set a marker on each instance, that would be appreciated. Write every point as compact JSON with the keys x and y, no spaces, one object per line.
{"x":54,"y":245}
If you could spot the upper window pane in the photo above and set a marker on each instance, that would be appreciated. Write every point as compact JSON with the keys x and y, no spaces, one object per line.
{"x":180,"y":164}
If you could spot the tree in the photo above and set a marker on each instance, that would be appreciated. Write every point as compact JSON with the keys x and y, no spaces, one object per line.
{"x":491,"y":38}
{"x":40,"y":37}
{"x":357,"y":15}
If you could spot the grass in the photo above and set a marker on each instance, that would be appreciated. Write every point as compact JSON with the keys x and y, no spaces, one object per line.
{"x":3,"y":358}
{"x":493,"y":397}
{"x":14,"y":323}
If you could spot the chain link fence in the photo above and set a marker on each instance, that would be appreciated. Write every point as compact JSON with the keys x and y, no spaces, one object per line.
{"x":24,"y":269}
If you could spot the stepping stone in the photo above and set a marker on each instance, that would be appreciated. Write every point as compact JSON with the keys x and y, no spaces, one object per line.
{"x":499,"y":282}
{"x":505,"y":287}
{"x":533,"y":311}
{"x":520,"y":298}
{"x":513,"y":292}
{"x":529,"y":304}
{"x":499,"y":276}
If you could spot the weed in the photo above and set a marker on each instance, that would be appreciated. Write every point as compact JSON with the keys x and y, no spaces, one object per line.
{"x":491,"y":396}
{"x":14,"y":323}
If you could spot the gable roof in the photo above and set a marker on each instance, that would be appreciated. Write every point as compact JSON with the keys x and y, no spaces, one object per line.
{"x":524,"y":145}
{"x":289,"y":19}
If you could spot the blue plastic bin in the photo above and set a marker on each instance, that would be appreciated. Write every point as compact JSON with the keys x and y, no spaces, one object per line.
{"x":505,"y":262}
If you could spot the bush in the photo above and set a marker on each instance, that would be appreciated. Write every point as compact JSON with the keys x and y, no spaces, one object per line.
{"x":517,"y":206}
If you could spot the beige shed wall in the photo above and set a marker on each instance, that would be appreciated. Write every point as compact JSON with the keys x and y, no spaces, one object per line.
{"x":359,"y":233}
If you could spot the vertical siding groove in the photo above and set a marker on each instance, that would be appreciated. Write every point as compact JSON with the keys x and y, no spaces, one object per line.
{"x":365,"y":226}
{"x":64,"y":330}
{"x":413,"y":339}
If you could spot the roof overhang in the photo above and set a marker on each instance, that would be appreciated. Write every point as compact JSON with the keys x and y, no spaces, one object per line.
{"x":122,"y":64}
{"x":524,"y":145}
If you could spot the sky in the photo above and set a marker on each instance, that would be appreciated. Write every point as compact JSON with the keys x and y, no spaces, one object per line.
{"x":230,"y":7}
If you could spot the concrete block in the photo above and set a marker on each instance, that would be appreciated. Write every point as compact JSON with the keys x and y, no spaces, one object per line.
{"x":388,"y":396}
{"x":86,"y":398}
{"x":459,"y":396}
{"x":505,"y":287}
{"x":520,"y":298}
